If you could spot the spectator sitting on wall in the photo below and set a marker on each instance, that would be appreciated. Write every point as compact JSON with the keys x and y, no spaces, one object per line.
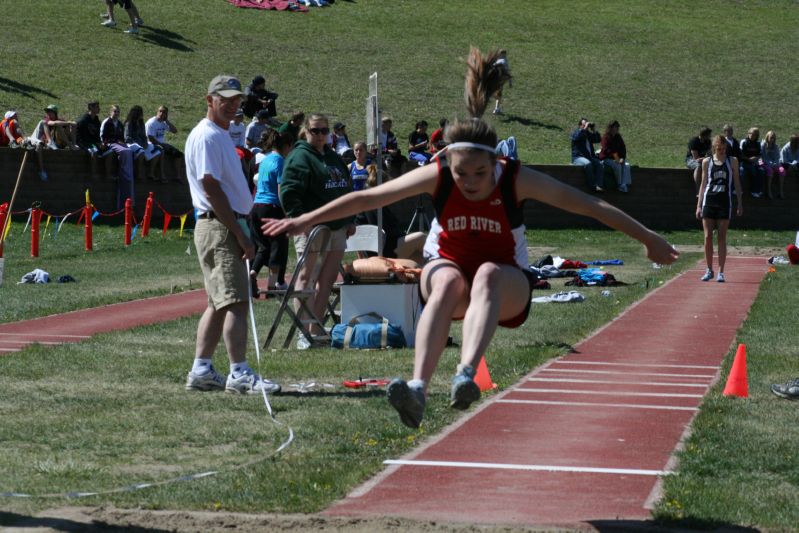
{"x":88,"y":135}
{"x":750,"y":162}
{"x":582,"y":141}
{"x":770,"y":162}
{"x":157,"y":128}
{"x":614,"y":155}
{"x":57,"y":133}
{"x":11,"y":134}
{"x":698,"y":150}
{"x":112,"y":134}
{"x":419,"y":144}
{"x":136,"y":139}
{"x":789,"y":155}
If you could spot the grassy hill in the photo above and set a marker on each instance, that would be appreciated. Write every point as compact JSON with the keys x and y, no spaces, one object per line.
{"x":662,"y":69}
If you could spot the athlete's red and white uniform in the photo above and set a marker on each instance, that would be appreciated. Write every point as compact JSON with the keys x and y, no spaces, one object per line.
{"x":471,"y":233}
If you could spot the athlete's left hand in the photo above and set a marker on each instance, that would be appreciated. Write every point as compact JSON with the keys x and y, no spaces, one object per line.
{"x":659,"y":251}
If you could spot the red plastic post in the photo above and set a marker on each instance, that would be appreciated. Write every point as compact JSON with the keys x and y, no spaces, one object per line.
{"x":36,"y":218}
{"x":148,"y":213}
{"x":128,"y":221}
{"x":87,"y":227}
{"x":3,"y":215}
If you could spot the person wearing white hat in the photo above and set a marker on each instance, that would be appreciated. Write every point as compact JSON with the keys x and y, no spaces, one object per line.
{"x":11,"y":134}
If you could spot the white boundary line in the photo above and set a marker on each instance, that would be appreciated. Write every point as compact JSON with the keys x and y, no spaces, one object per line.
{"x":604,"y":393}
{"x":46,"y":335}
{"x":636,"y":365}
{"x":649,"y":383}
{"x":589,"y":404}
{"x":533,"y":468}
{"x":614,"y":372}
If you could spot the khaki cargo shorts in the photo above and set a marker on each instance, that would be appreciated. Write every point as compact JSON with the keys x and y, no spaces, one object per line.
{"x":338,"y":242}
{"x":224,"y":271}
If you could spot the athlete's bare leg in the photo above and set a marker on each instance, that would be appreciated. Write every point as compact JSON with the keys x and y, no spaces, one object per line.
{"x":709,"y":225}
{"x":499,"y":292}
{"x":721,"y":238}
{"x":446,"y":293}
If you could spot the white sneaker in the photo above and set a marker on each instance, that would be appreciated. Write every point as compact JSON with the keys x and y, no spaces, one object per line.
{"x":720,"y":277}
{"x":109,"y":23}
{"x":52,"y":145}
{"x":211,"y":380}
{"x":133,"y":30}
{"x":250,"y":383}
{"x":303,"y":343}
{"x":708,"y":275}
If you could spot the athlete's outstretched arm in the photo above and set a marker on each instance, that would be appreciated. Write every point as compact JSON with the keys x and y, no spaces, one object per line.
{"x":539,"y":186}
{"x":418,"y":181}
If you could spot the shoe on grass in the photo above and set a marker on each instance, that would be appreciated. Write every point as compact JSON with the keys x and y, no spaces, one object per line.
{"x":408,"y":401}
{"x":464,"y":389}
{"x":250,"y":383}
{"x":708,"y":275}
{"x":720,"y":277}
{"x":210,"y":380}
{"x":789,"y":391}
{"x":139,"y":22}
{"x":133,"y":30}
{"x":109,"y":23}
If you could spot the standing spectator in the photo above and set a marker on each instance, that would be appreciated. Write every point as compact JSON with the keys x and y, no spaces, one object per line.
{"x":770,"y":162}
{"x":341,"y":142}
{"x":789,"y":155}
{"x":221,"y":236}
{"x":11,"y":134}
{"x":503,"y":76}
{"x":583,"y":139}
{"x":419,"y":143}
{"x":271,"y":251}
{"x":314,"y":175}
{"x":254,"y":130}
{"x":133,"y":13}
{"x":750,"y":162}
{"x":237,"y":131}
{"x":88,"y":135}
{"x":112,"y":133}
{"x":614,"y":155}
{"x":136,"y":139}
{"x":732,"y":142}
{"x":57,"y":133}
{"x":293,"y":125}
{"x":698,"y":150}
{"x":714,"y":206}
{"x":257,"y":97}
{"x":157,"y":128}
{"x":437,"y":137}
{"x":359,"y":172}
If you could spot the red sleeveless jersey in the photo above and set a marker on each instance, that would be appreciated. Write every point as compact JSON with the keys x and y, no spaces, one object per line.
{"x":471,"y":233}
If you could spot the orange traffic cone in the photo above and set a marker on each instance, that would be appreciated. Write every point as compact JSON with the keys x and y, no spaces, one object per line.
{"x":737,"y":384}
{"x":482,"y":377}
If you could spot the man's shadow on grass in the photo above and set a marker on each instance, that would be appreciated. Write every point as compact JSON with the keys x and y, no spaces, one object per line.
{"x":23,"y":89}
{"x":529,"y":122}
{"x":165,"y":38}
{"x":65,"y":524}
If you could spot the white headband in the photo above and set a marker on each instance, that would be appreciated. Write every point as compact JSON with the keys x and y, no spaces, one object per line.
{"x":467,"y":145}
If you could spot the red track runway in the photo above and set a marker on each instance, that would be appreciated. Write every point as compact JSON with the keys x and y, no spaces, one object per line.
{"x":586,"y":437}
{"x":80,"y":325}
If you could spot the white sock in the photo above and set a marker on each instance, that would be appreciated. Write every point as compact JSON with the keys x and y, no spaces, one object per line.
{"x":237,"y":369}
{"x":201,"y":366}
{"x":416,"y":384}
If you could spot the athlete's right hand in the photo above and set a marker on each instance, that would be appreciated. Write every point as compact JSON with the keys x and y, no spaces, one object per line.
{"x":274,"y":226}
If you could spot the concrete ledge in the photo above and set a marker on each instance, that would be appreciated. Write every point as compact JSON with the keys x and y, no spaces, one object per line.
{"x":661,"y":198}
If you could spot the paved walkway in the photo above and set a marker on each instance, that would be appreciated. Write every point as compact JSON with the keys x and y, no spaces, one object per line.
{"x":586,"y":437}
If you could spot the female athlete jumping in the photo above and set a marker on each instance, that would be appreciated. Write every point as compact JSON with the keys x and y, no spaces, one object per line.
{"x":476,"y":254}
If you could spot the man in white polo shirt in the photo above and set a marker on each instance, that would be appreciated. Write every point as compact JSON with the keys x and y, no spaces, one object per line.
{"x":222,"y":200}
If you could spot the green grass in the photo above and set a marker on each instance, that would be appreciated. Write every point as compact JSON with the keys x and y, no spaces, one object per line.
{"x":661,"y":70}
{"x":112,"y":411}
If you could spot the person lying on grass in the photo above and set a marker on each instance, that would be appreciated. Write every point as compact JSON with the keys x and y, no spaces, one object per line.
{"x":476,"y":254}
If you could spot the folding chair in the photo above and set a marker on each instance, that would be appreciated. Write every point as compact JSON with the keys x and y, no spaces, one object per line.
{"x":365,"y":239}
{"x":304,"y":318}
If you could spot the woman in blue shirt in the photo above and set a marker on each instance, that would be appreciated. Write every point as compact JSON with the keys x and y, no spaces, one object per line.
{"x":273,"y":251}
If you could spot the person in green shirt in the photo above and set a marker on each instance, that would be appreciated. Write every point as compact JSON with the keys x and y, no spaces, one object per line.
{"x":293,"y":125}
{"x":313,"y":175}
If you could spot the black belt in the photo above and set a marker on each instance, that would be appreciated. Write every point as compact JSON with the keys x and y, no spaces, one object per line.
{"x":211,"y":215}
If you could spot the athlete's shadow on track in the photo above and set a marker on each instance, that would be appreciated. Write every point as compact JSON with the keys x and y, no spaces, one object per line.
{"x":65,"y":524}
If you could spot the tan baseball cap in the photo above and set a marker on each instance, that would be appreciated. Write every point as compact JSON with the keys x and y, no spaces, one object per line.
{"x":226,"y":86}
